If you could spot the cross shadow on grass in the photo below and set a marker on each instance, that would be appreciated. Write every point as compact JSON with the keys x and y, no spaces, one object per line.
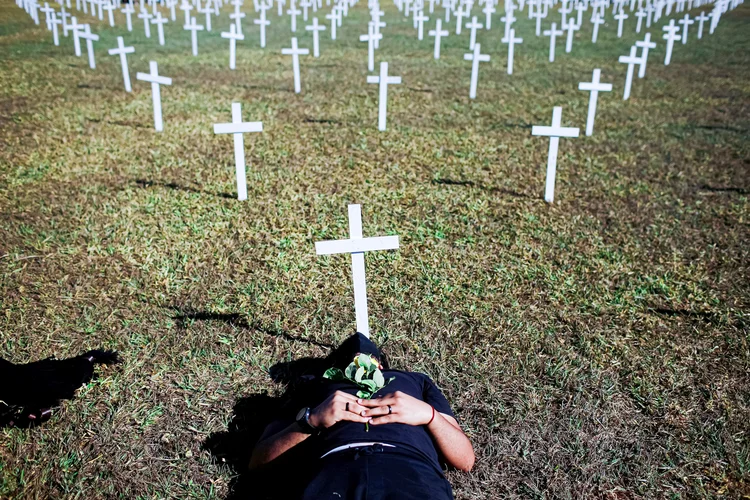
{"x":172,"y":185}
{"x":251,"y":415}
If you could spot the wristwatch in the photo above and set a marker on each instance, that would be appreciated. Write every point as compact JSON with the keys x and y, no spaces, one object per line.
{"x":303,"y":421}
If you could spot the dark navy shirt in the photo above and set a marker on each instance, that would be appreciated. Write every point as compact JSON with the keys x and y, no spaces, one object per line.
{"x":416,"y":439}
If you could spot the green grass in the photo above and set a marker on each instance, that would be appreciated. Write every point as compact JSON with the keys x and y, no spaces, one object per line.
{"x":593,"y":348}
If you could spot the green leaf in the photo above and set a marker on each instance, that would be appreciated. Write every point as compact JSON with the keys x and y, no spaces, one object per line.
{"x":351,"y":370}
{"x":359,"y":374}
{"x":377,"y":377}
{"x":333,"y":374}
{"x":365,"y":361}
{"x":370,"y":384}
{"x":363,"y":394}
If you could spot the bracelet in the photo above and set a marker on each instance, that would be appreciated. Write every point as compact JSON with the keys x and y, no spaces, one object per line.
{"x":433,"y":415}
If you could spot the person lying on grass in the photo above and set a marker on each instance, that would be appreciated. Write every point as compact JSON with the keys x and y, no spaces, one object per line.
{"x":389,"y":446}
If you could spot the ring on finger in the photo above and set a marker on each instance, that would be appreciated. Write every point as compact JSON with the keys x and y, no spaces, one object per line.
{"x":390,"y":410}
{"x":347,"y":406}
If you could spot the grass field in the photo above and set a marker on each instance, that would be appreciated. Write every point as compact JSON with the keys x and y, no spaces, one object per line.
{"x":594,"y":348}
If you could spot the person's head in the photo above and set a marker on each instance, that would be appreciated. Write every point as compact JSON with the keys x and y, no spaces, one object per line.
{"x":353,"y":346}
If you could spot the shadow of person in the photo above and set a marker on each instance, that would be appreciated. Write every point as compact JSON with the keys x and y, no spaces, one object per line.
{"x":251,"y":415}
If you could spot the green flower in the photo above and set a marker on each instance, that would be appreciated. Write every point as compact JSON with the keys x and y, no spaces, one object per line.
{"x":362,"y":372}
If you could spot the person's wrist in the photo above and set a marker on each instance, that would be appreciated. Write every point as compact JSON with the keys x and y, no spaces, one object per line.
{"x":313,"y":419}
{"x":431,"y":415}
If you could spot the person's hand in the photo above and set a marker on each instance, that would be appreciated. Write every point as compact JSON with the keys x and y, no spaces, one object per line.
{"x":404,"y":409}
{"x":339,"y":406}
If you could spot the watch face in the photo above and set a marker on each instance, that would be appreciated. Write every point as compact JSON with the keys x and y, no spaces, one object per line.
{"x":301,"y":414}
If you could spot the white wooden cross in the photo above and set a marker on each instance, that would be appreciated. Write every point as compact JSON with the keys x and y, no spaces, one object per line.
{"x":64,"y":18}
{"x":538,"y":16}
{"x":594,"y":87}
{"x":631,"y":60}
{"x":508,"y":19}
{"x":597,"y":21}
{"x":476,"y":57}
{"x":488,"y":10}
{"x":295,"y":52}
{"x":305,"y":4}
{"x":47,"y":11}
{"x":159,"y":21}
{"x":571,"y":29}
{"x":237,"y":17}
{"x":123,"y":52}
{"x":685,"y":22}
{"x":54,"y":21}
{"x":262,"y":22}
{"x":370,"y":38}
{"x":128,"y":11}
{"x":552,"y":34}
{"x":620,"y":16}
{"x":77,"y":28}
{"x":383,"y":80}
{"x":233,"y":36}
{"x":640,"y":15}
{"x":645,"y":45}
{"x":185,"y":7}
{"x":294,"y":12}
{"x":146,"y":16}
{"x":420,"y":18}
{"x":90,"y":39}
{"x":172,"y":13}
{"x":110,"y":16}
{"x":356,"y":245}
{"x":473,"y":26}
{"x":316,"y":29}
{"x":155,"y":79}
{"x":671,"y":37}
{"x":334,"y":16}
{"x":511,"y":41}
{"x":554,"y":133}
{"x":207,"y":11}
{"x":438,"y":33}
{"x":701,"y":19}
{"x":194,"y":29}
{"x":459,"y":19}
{"x":237,"y":128}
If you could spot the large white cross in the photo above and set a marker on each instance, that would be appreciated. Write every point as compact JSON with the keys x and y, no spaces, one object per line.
{"x":620,"y":16}
{"x":334,"y":16}
{"x":685,"y":22}
{"x":54,"y":21}
{"x":597,"y":21}
{"x":511,"y":41}
{"x":237,"y":128}
{"x":475,"y":57}
{"x":76,"y":34}
{"x":123,"y":52}
{"x":316,"y":29}
{"x":473,"y":26}
{"x":294,"y":12}
{"x":631,"y":60}
{"x":90,"y":39}
{"x":594,"y":86}
{"x":571,"y":29}
{"x":262,"y":22}
{"x":438,"y":33}
{"x":146,"y":16}
{"x":671,"y":37}
{"x":295,"y":52}
{"x":155,"y":79}
{"x":356,"y":245}
{"x":159,"y":21}
{"x":194,"y":29}
{"x":370,"y":38}
{"x":421,"y":18}
{"x":701,"y":19}
{"x":384,"y":80}
{"x":645,"y":44}
{"x":233,"y":36}
{"x":554,"y":133}
{"x":552,"y":33}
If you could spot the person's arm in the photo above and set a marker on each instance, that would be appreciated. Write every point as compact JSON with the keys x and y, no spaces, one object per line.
{"x":280,"y":436}
{"x":450,"y":440}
